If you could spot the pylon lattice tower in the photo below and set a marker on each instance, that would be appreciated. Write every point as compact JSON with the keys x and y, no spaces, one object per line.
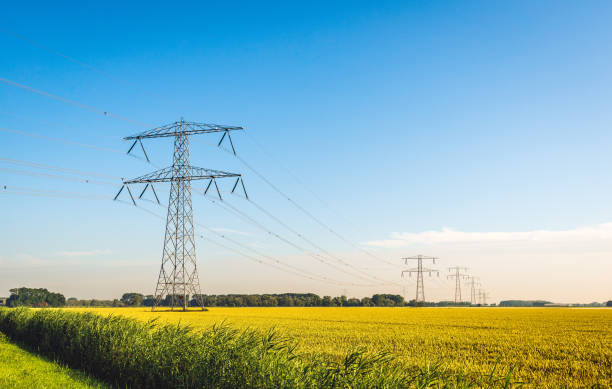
{"x":419,"y":270}
{"x":458,"y":276}
{"x":473,"y":283}
{"x":178,"y":276}
{"x":482,"y":297}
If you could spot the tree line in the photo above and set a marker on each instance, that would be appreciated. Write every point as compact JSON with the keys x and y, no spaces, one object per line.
{"x":40,"y":297}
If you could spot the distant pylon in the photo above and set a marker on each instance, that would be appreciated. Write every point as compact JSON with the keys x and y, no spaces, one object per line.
{"x":458,"y":275}
{"x":473,"y":283}
{"x":420,"y":288}
{"x":482,"y":297}
{"x":178,"y":277}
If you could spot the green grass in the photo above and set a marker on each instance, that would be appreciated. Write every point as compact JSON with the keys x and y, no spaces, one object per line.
{"x":21,"y":369}
{"x":129,"y":353}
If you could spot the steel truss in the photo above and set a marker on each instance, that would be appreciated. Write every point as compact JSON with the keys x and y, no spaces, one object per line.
{"x":178,"y":276}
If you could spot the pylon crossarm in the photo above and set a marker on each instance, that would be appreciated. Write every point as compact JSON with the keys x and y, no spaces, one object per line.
{"x":187,"y":173}
{"x":185,"y":128}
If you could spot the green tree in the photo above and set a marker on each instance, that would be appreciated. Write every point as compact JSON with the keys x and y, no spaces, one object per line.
{"x":132,"y":299}
{"x":35,"y":297}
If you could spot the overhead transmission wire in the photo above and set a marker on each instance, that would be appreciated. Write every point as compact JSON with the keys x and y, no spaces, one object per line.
{"x":60,"y":140}
{"x":228,"y":207}
{"x":71,"y":179}
{"x":65,"y":178}
{"x":123,"y":118}
{"x":53,"y":167}
{"x":75,"y":103}
{"x":298,"y":234}
{"x":106,"y":113}
{"x":296,"y":178}
{"x":270,"y":155}
{"x":35,"y":192}
{"x":304,"y":210}
{"x":310,"y":253}
{"x":73,"y":143}
{"x":302,"y":272}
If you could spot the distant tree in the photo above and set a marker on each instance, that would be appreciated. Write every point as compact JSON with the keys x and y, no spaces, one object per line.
{"x":132,"y":299}
{"x":148,"y":301}
{"x":253,"y":300}
{"x":286,"y":301}
{"x":35,"y":297}
{"x":327,"y":301}
{"x":609,"y":303}
{"x":269,"y":301}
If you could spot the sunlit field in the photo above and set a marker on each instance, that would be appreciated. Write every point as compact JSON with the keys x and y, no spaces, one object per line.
{"x":21,"y":369}
{"x":550,"y":347}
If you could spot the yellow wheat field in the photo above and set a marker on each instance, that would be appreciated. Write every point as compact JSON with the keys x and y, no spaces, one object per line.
{"x":551,"y":347}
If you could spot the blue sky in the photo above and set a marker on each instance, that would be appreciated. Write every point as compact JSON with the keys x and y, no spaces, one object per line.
{"x":481,"y":118}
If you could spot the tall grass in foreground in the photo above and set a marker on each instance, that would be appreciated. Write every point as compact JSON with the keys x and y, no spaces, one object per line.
{"x":130,"y":353}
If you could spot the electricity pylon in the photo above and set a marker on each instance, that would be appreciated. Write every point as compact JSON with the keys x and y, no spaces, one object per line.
{"x":473,"y":283}
{"x":458,"y":275}
{"x":482,"y":297}
{"x":178,"y":276}
{"x":420,"y":288}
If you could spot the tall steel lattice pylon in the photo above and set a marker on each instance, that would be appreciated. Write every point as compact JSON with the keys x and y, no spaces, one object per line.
{"x":458,"y":276}
{"x":419,"y":270}
{"x":473,"y":283}
{"x":178,"y":276}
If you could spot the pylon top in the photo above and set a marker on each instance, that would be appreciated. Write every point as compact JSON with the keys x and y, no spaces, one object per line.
{"x":182,"y":127}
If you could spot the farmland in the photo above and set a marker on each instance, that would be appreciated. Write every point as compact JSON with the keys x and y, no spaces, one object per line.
{"x":549,"y":347}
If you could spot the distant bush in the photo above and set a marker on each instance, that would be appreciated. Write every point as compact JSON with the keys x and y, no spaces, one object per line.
{"x":130,"y":353}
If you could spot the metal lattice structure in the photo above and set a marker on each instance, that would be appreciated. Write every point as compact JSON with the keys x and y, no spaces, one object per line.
{"x":482,"y":297}
{"x":473,"y":283}
{"x":458,"y":276}
{"x":419,"y":270}
{"x":178,"y":277}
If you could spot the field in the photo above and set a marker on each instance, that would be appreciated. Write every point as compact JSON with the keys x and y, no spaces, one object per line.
{"x":550,"y":347}
{"x":21,"y":369}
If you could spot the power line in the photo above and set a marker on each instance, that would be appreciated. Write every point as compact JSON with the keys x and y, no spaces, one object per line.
{"x":301,"y":236}
{"x":270,"y":258}
{"x":34,"y":192}
{"x":306,"y":212}
{"x":106,"y":113}
{"x":72,"y":102}
{"x":55,"y":176}
{"x":60,"y":140}
{"x":301,"y":249}
{"x":52,"y":193}
{"x":52,"y":167}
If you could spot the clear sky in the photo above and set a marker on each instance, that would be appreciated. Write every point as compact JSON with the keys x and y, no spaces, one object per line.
{"x":478,"y":132}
